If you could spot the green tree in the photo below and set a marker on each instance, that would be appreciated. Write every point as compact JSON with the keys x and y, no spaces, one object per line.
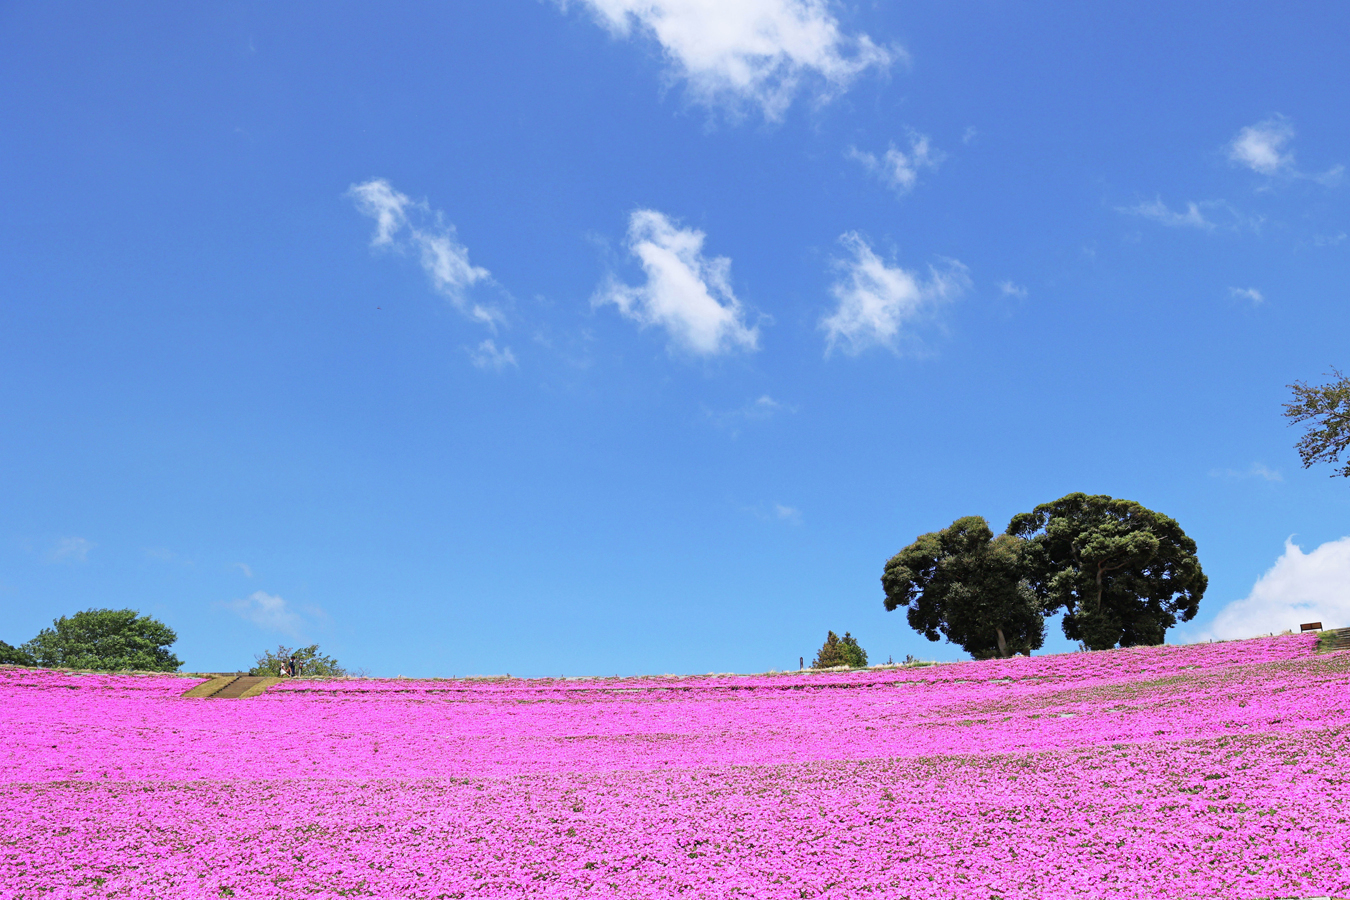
{"x":308,"y":661}
{"x":967,"y":585}
{"x":107,"y":640}
{"x":14,"y":656}
{"x":1328,"y":406}
{"x":1122,"y":573}
{"x":837,"y":651}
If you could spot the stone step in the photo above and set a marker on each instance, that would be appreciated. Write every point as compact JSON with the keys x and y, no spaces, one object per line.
{"x":212,"y":687}
{"x":1333,"y":639}
{"x":244,"y":686}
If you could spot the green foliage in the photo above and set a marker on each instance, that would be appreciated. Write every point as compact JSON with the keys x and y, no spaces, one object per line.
{"x":1123,"y":573}
{"x":300,"y":661}
{"x":1329,"y":406}
{"x":964,"y":584}
{"x":105,"y":639}
{"x":13,"y":656}
{"x":837,"y":651}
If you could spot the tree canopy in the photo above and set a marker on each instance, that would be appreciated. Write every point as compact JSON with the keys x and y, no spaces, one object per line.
{"x":105,"y":639}
{"x":1122,"y":573}
{"x":967,"y":585}
{"x":308,"y":661}
{"x":13,"y":656}
{"x":837,"y":651}
{"x":1327,"y":407}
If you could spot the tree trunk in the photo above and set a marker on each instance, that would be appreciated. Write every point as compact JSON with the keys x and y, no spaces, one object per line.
{"x":1002,"y":644}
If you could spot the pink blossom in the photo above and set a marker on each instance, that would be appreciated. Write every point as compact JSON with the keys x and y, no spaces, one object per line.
{"x":1215,"y":770}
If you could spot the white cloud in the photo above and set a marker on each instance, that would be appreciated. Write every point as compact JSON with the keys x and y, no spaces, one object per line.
{"x":877,"y":301}
{"x":244,"y":567}
{"x":760,"y":409}
{"x":1206,"y":215}
{"x":1255,"y":470}
{"x":1300,"y":587}
{"x":71,"y":550}
{"x":489,"y":356}
{"x":757,"y":52}
{"x":898,"y":169}
{"x":1251,"y":293}
{"x":271,"y":612}
{"x":787,"y":514}
{"x":687,"y":293}
{"x":1324,"y":240}
{"x":1008,"y":289}
{"x":443,"y":258}
{"x":1158,"y":211}
{"x":1260,"y":147}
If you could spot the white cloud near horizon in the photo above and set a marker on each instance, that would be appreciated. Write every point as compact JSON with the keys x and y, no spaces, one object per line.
{"x":876,"y":301}
{"x":687,"y":293}
{"x":272,"y":613}
{"x":443,"y":258}
{"x":899,"y":169}
{"x":1262,"y":148}
{"x":71,"y":550}
{"x":757,"y":52}
{"x":1300,"y":587}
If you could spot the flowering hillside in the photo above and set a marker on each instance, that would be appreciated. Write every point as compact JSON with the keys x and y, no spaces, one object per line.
{"x":1212,"y":771}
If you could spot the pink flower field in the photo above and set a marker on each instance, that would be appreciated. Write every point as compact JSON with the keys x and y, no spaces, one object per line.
{"x":1209,"y":771}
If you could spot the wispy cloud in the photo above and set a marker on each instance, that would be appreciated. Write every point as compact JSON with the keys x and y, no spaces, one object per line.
{"x":1251,"y":294}
{"x":402,"y":224}
{"x":687,"y":293}
{"x":489,"y":356}
{"x":1255,"y":470}
{"x":1205,"y":215}
{"x":757,"y":52}
{"x":271,"y":612}
{"x":776,"y":512}
{"x":71,"y":550}
{"x":1008,"y":289}
{"x":1158,"y":211}
{"x":899,"y":169}
{"x":878,"y":302}
{"x":760,"y":409}
{"x":1300,"y":587}
{"x":245,"y":568}
{"x":1264,"y":148}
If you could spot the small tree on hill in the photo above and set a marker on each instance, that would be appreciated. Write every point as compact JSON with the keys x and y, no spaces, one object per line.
{"x":107,"y":640}
{"x":837,"y":651}
{"x":967,"y":585}
{"x":300,"y":661}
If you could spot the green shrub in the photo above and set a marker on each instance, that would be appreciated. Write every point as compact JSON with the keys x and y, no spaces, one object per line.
{"x":107,"y":640}
{"x":837,"y":651}
{"x":306,"y":661}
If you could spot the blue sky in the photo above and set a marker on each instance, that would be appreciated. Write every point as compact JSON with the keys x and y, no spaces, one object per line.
{"x":627,"y":337}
